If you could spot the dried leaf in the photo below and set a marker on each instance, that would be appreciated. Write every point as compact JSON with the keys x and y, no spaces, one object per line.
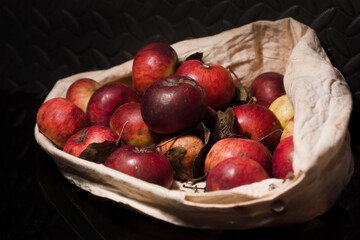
{"x":241,"y":93}
{"x":98,"y":152}
{"x":224,"y":125}
{"x":175,"y":155}
{"x":198,"y":167}
{"x":195,"y":56}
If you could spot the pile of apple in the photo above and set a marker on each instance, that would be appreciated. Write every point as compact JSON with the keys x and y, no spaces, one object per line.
{"x":177,"y":121}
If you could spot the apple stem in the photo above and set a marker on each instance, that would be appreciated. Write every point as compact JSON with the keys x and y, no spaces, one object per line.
{"x":193,"y":181}
{"x":122,"y":130}
{"x":273,"y":132}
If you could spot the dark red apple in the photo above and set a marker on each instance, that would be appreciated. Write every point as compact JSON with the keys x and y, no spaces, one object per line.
{"x":267,"y":87}
{"x":144,"y":163}
{"x":78,"y":142}
{"x":173,"y":103}
{"x":238,"y":147}
{"x":215,"y":79}
{"x":235,"y":172}
{"x":128,"y":122}
{"x":151,"y":62}
{"x":282,"y":162}
{"x":259,"y":123}
{"x":81,"y":91}
{"x":106,"y":100}
{"x":58,"y":119}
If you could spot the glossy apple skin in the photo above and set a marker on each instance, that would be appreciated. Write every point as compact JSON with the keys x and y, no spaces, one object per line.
{"x":282,"y":109}
{"x":106,"y":100}
{"x":151,"y":62}
{"x":78,"y":142}
{"x":80,"y":92}
{"x":144,"y":163}
{"x":183,"y":170}
{"x":256,"y":122}
{"x":215,"y":79}
{"x":135,"y":132}
{"x":238,"y":147}
{"x":288,"y":130}
{"x":173,"y":103}
{"x":267,"y":87}
{"x":282,"y":162}
{"x":58,"y":119}
{"x":235,"y":172}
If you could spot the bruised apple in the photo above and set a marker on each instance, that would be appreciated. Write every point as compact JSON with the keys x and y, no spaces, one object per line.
{"x":152,"y":61}
{"x":106,"y":100}
{"x":282,"y":162}
{"x":78,"y":142}
{"x":235,"y":172}
{"x":215,"y":79}
{"x":182,"y":152}
{"x":238,"y":147}
{"x":143,"y":163}
{"x":259,"y":123}
{"x":173,"y":103}
{"x":129,"y":124}
{"x":267,"y":87}
{"x":58,"y":119}
{"x":81,"y":91}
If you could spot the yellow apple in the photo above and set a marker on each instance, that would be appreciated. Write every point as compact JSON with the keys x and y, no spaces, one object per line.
{"x":282,"y":109}
{"x":288,"y":130}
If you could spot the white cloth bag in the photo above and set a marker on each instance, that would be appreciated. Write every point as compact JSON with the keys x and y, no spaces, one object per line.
{"x":323,"y":163}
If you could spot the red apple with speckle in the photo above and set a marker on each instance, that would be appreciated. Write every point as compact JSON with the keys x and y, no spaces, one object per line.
{"x":58,"y":119}
{"x":129,"y":124}
{"x":151,"y":62}
{"x":81,"y":91}
{"x":215,"y":79}
{"x":238,"y":147}
{"x":106,"y":100}
{"x":235,"y":172}
{"x":78,"y":142}
{"x":143,"y":163}
{"x":282,"y":162}
{"x":259,"y":123}
{"x":173,"y":103}
{"x":267,"y":87}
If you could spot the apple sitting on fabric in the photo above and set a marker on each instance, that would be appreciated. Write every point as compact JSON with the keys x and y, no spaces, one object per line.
{"x":173,"y":103}
{"x":215,"y":79}
{"x":283,"y":109}
{"x":235,"y":172}
{"x":191,"y":144}
{"x":259,"y":123}
{"x":78,"y":142}
{"x":58,"y":119}
{"x":267,"y":87}
{"x":238,"y":147}
{"x":129,"y":124}
{"x":80,"y":92}
{"x":151,"y":62}
{"x":282,"y":162}
{"x":106,"y":100}
{"x":143,"y":163}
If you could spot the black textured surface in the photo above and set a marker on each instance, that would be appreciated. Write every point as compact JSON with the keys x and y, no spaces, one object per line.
{"x":45,"y":40}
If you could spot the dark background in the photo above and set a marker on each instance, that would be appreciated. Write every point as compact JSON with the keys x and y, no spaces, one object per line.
{"x":45,"y":40}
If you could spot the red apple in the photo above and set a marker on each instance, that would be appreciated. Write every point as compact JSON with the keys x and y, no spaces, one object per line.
{"x":78,"y":142}
{"x":106,"y":100}
{"x":282,"y":162}
{"x":215,"y":79}
{"x":144,"y":163}
{"x":153,"y":61}
{"x":191,"y":143}
{"x":235,"y":172}
{"x":173,"y":103}
{"x":267,"y":87}
{"x":129,"y":124}
{"x":80,"y":91}
{"x":259,"y":123}
{"x":58,"y":119}
{"x":237,"y":147}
